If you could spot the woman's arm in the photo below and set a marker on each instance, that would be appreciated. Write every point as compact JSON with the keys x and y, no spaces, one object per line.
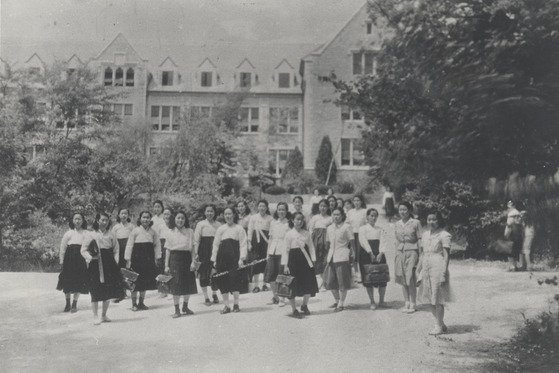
{"x":285,"y":254}
{"x":129,"y":247}
{"x":197,"y":239}
{"x":116,"y":248}
{"x":63,"y":246}
{"x":87,"y":240}
{"x":156,"y":246}
{"x":243,"y":242}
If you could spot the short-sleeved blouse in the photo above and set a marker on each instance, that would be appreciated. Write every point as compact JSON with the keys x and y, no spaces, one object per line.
{"x":368,"y":232}
{"x":180,"y":240}
{"x":407,"y":234}
{"x":435,"y":243}
{"x":357,"y":218}
{"x":319,"y":221}
{"x":339,"y":237}
{"x":278,"y":230}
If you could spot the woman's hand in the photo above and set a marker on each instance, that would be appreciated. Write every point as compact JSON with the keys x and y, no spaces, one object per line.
{"x":444,"y":277}
{"x":373,"y":257}
{"x":241,"y":262}
{"x":167,"y":269}
{"x":286,"y":270}
{"x":128,"y":264}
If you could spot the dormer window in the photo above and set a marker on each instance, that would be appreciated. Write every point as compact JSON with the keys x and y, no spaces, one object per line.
{"x":349,"y":114}
{"x":167,"y":78}
{"x":283,"y":80}
{"x":35,"y":71}
{"x":245,"y":81}
{"x":108,"y":76}
{"x":130,"y":77}
{"x":119,"y":77}
{"x":369,"y":26}
{"x":206,"y":79}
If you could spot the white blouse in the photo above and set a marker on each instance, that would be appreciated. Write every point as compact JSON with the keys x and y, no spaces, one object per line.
{"x":278,"y":230}
{"x":121,"y":230}
{"x":105,"y":240}
{"x":180,"y":240}
{"x":71,"y":237}
{"x":141,"y":235}
{"x":435,"y":243}
{"x":258,"y":223}
{"x":235,"y":232}
{"x":297,"y":240}
{"x":366,"y":233}
{"x":319,"y":221}
{"x":204,"y":229}
{"x":357,"y":218}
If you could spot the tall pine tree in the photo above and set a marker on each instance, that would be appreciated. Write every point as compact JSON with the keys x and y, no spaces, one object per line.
{"x":324,"y":162}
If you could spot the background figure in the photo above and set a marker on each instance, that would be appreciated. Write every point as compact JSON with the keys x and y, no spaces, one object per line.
{"x":525,"y":260}
{"x":388,"y":203}
{"x":317,"y":228}
{"x":514,"y":231}
{"x":258,"y":235}
{"x":203,"y":242}
{"x":278,"y":229}
{"x":122,"y":230}
{"x":315,"y":200}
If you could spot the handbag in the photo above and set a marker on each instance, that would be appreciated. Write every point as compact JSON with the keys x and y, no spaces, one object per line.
{"x":329,"y":279}
{"x":285,"y":286}
{"x":93,"y":249}
{"x":375,"y":273}
{"x":129,"y":278}
{"x":503,"y":247}
{"x":164,"y":283}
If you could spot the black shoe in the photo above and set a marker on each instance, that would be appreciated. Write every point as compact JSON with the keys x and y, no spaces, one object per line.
{"x":225,"y":310}
{"x":142,"y":307}
{"x":176,"y":315}
{"x":296,"y":314}
{"x":256,"y":290}
{"x":236,"y":308}
{"x":74,"y":308}
{"x":265,"y":288}
{"x":335,"y":305}
{"x":208,"y":302}
{"x":305,"y":310}
{"x":187,"y":311}
{"x":67,"y":308}
{"x":275,"y":300}
{"x":215,"y":298}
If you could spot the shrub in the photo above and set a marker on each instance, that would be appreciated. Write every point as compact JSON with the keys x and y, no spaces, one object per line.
{"x":294,"y":166}
{"x":323,"y":160}
{"x":275,"y":190}
{"x":345,"y":187}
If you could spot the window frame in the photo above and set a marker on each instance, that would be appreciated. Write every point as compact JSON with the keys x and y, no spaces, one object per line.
{"x":361,"y":58}
{"x":288,"y":75}
{"x":250,"y":117}
{"x":351,"y":152}
{"x":204,"y":82}
{"x":276,"y":159}
{"x":167,"y":78}
{"x":289,"y":123}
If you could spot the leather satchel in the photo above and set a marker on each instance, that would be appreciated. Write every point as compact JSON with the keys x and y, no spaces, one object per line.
{"x":129,"y":278}
{"x":285,"y":286}
{"x":164,"y":283}
{"x":375,"y":273}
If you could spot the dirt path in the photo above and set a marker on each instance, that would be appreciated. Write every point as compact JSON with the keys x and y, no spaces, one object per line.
{"x":35,"y":336}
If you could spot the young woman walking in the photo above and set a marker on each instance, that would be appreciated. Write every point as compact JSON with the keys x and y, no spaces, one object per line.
{"x":258,"y":234}
{"x":203,"y":242}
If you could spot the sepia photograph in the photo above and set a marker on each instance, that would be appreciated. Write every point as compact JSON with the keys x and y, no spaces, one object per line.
{"x":279,"y":186}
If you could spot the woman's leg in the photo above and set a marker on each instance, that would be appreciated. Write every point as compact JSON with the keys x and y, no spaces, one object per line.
{"x":95,"y":308}
{"x":205,"y":292}
{"x":405,"y":291}
{"x":75,"y":302}
{"x":306,"y":298}
{"x":134,"y":298}
{"x":440,"y":315}
{"x":371,"y":294}
{"x":413,"y":293}
{"x":104,"y":317}
{"x":336,"y":295}
{"x":225,"y":299}
{"x":236,"y":301}
{"x":185,"y":308}
{"x":292,"y":302}
{"x":343,"y":294}
{"x":68,"y":306}
{"x":381,"y":293}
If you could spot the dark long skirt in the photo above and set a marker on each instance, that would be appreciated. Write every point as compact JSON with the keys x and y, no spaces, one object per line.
{"x":389,"y":209}
{"x":365,"y":258}
{"x":305,"y":278}
{"x":122,"y":247}
{"x":227,"y":259}
{"x":111,"y":288}
{"x":73,"y":277}
{"x":205,"y":257}
{"x":319,"y":240}
{"x":273,"y":268}
{"x":183,"y":281}
{"x":161,"y":264}
{"x":357,"y":248}
{"x":259,"y":250}
{"x":143,"y":262}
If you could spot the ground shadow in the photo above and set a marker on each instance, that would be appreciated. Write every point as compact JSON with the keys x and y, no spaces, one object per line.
{"x":462,"y":329}
{"x":120,"y":321}
{"x":255,"y":309}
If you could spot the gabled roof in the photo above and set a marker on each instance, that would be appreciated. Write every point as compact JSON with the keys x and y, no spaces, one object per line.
{"x":209,"y":61}
{"x":282,"y":62}
{"x":246,"y":60}
{"x":75,"y":58}
{"x":321,"y":49}
{"x":120,"y":40}
{"x":170,"y":60}
{"x":37,"y":56}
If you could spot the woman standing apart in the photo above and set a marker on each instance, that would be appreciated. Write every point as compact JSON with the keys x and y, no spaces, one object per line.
{"x":388,"y":203}
{"x":229,"y":252}
{"x":297,"y":260}
{"x":142,"y":252}
{"x":122,"y":231}
{"x":317,"y":228}
{"x":433,"y":265}
{"x":408,"y":233}
{"x":73,"y":276}
{"x":105,"y":280}
{"x":258,"y":234}
{"x":341,"y":251}
{"x":180,"y":244}
{"x":278,"y":229}
{"x":370,"y":253}
{"x":203,"y":242}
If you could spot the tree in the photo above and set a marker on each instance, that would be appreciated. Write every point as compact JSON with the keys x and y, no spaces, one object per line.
{"x":325,"y":166}
{"x":464,"y":91}
{"x":294,"y":165}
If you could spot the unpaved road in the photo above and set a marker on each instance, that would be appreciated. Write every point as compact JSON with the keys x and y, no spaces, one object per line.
{"x":35,"y":336}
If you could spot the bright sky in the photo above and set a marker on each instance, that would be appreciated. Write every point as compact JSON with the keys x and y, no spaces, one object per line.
{"x":192,"y":21}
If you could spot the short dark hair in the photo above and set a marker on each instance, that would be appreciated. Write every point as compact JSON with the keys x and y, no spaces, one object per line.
{"x":292,"y":220}
{"x":350,"y":201}
{"x":287,"y":213}
{"x":325,"y":201}
{"x":235,"y":215}
{"x":267,"y":205}
{"x":372,"y":209}
{"x":407,"y":204}
{"x":84,"y":222}
{"x":440,"y":219}
{"x":173,"y":225}
{"x":118,"y":215}
{"x":139,"y":221}
{"x":341,"y":210}
{"x":362,"y":199}
{"x":212,"y":206}
{"x":97,"y":217}
{"x":159,"y":202}
{"x":299,"y":198}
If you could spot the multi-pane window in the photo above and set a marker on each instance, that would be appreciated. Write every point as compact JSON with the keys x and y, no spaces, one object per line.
{"x":245,"y":81}
{"x":165,"y":118}
{"x":128,"y":109}
{"x":277,"y":160}
{"x":352,"y":153}
{"x":119,"y":77}
{"x":363,"y":63}
{"x":167,"y":78}
{"x":119,"y":109}
{"x":349,"y":114}
{"x":285,"y":119}
{"x":201,"y":112}
{"x":249,"y":119}
{"x":283,"y":80}
{"x":108,"y":80}
{"x":130,"y":77}
{"x":206,"y":80}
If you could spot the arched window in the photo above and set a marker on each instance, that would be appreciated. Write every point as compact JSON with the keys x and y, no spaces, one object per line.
{"x":108,"y":76}
{"x":130,"y":77}
{"x":119,"y":77}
